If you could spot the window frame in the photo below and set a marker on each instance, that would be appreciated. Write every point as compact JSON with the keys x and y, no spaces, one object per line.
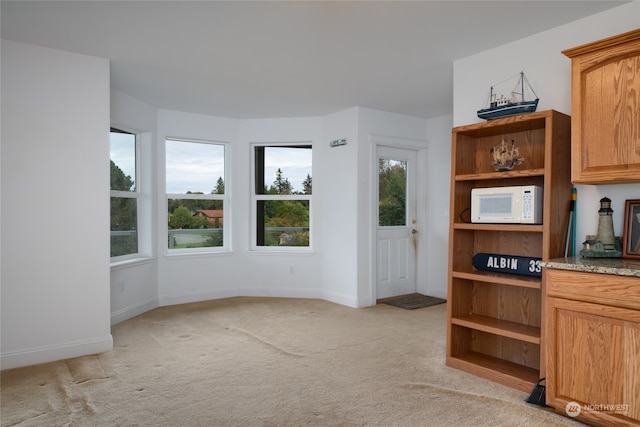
{"x":255,"y":198}
{"x":225,"y":198}
{"x":136,"y":194}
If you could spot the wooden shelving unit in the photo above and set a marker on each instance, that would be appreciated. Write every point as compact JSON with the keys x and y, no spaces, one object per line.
{"x":495,"y":321}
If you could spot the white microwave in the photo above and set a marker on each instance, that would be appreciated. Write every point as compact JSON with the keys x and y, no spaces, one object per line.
{"x":507,"y":205}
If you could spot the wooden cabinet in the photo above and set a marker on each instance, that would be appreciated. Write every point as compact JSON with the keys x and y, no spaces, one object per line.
{"x":495,"y":320}
{"x":593,"y":345}
{"x":605,"y":86}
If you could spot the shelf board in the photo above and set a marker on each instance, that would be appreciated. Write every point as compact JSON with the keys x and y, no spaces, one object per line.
{"x":501,"y":371}
{"x":510,"y":124}
{"x":516,"y":228}
{"x":499,"y":327}
{"x":520,"y":173}
{"x":532,"y":282}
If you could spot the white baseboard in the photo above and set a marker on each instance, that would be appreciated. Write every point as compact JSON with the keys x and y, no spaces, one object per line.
{"x":35,"y":356}
{"x":340,"y":298}
{"x":133,"y":310}
{"x":165,"y":300}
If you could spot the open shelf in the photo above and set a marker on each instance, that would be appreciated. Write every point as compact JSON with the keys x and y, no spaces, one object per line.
{"x":500,"y":175}
{"x":503,"y":328}
{"x":507,"y":373}
{"x":533,"y":282}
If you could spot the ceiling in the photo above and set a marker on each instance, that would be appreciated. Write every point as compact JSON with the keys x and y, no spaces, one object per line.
{"x":266,"y":59}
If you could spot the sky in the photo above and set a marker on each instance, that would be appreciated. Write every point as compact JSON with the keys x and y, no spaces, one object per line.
{"x":196,"y":167}
{"x":123,"y":154}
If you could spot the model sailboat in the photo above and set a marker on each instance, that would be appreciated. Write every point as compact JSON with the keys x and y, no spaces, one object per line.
{"x":517,"y":103}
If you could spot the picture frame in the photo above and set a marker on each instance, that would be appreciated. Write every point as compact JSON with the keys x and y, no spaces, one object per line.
{"x":631,"y":235}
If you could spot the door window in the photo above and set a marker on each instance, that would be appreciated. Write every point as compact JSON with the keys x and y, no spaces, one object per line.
{"x":392,"y":192}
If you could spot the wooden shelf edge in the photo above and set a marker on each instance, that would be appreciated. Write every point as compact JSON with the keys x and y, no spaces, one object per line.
{"x":503,"y":328}
{"x":518,"y":228}
{"x":512,"y":123}
{"x":531,"y":282}
{"x":501,"y":371}
{"x":499,"y":175}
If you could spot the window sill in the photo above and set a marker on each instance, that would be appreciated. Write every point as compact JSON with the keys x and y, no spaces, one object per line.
{"x":172,"y":256}
{"x":133,"y":262}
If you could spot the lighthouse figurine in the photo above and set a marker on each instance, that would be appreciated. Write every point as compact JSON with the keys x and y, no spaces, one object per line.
{"x":605,"y":225}
{"x":605,"y":243}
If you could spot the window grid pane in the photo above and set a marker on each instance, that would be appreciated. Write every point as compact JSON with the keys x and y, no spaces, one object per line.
{"x":282,"y":195}
{"x":124,"y":225}
{"x":392,"y":192}
{"x":123,"y":161}
{"x":195,"y":194}
{"x":285,"y":222}
{"x":124,"y":193}
{"x":195,"y":223}
{"x":194,"y":167}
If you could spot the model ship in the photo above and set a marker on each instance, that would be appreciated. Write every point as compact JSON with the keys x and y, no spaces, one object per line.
{"x":506,"y":157}
{"x":516,"y":103}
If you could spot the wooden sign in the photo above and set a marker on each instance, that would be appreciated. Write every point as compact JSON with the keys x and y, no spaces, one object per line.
{"x":512,"y":264}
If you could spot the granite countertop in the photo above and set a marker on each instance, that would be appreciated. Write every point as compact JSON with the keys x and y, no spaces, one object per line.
{"x":615,"y":266}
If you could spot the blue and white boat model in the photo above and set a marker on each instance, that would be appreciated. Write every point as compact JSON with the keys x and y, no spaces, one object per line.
{"x":502,"y":106}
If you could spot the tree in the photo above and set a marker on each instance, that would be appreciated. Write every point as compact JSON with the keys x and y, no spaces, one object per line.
{"x":123,"y":214}
{"x":120,"y":181}
{"x":123,"y":210}
{"x":199,"y":222}
{"x":219,"y":187}
{"x":180,"y":218}
{"x":306,"y":185}
{"x":392,"y":184}
{"x":281,"y":185}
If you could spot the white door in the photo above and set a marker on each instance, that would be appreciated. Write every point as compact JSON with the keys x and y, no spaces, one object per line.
{"x":397,"y":237}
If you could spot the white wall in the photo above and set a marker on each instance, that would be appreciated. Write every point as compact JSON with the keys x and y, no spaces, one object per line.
{"x":338,"y":210}
{"x":187,"y":278}
{"x":339,"y":266}
{"x":549,"y":72}
{"x":55,"y":205}
{"x":438,"y":190}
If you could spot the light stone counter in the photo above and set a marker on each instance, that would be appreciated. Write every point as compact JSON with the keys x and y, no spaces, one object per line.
{"x":615,"y":266}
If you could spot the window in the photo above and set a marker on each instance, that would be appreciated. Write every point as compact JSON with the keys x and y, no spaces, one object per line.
{"x":196,"y":196}
{"x":124,"y":193}
{"x":392,"y":192}
{"x":282,"y":195}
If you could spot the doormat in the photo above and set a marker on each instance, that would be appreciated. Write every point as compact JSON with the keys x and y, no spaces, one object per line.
{"x":413,"y":301}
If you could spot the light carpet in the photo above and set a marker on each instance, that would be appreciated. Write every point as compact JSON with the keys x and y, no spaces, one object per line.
{"x":267,"y":362}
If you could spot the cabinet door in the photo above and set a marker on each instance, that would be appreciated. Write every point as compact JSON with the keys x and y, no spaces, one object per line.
{"x":605,"y":112}
{"x":593,"y":360}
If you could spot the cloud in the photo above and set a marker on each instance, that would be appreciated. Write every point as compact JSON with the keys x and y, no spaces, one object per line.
{"x":194,"y":167}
